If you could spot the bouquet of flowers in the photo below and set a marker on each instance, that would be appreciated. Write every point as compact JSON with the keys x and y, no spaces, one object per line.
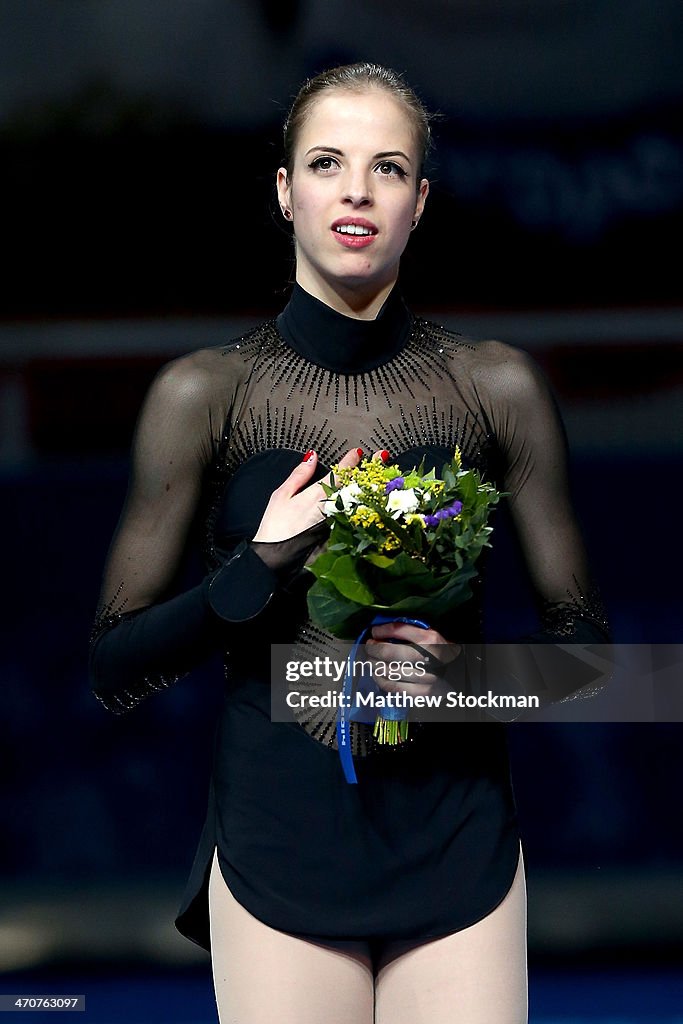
{"x":400,"y":545}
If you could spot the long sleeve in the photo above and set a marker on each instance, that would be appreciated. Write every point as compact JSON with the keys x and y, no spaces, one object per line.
{"x":146,"y":636}
{"x":136,"y":653}
{"x":533,"y":443}
{"x":533,"y":448}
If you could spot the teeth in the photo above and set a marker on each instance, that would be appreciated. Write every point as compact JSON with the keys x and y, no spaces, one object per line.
{"x":353,"y":229}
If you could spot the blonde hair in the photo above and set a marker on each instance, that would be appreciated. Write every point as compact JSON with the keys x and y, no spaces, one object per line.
{"x":356,"y":78}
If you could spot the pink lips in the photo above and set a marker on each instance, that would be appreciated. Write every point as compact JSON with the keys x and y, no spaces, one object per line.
{"x":354,"y":241}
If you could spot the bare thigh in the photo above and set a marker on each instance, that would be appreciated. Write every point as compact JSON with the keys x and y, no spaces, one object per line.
{"x":262,"y":974}
{"x":474,"y":976}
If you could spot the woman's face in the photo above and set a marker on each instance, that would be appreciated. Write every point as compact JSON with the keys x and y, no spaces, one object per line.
{"x":353,"y":192}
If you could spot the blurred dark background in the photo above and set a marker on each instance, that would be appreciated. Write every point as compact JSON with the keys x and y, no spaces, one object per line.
{"x":138,"y":145}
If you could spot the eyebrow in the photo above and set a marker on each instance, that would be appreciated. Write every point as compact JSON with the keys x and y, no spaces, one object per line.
{"x":377,"y":156}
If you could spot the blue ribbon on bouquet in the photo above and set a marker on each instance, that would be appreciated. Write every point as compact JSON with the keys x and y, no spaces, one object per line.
{"x":365,"y":685}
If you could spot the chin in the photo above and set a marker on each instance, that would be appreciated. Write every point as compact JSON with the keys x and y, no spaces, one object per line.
{"x":363,"y":275}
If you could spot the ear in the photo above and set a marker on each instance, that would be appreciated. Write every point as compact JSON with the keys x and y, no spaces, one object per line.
{"x":284,"y":188}
{"x":422,"y":194}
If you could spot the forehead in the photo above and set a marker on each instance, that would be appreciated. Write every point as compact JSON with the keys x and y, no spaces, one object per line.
{"x":373,"y":119}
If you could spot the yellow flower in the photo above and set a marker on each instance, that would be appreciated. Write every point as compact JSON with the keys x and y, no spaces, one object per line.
{"x":412,"y":517}
{"x":364,"y":516}
{"x":372,"y":475}
{"x":436,"y":486}
{"x":391,"y":543}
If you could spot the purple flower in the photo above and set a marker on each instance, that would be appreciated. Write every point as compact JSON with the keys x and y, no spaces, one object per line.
{"x":444,"y":513}
{"x":393,"y":485}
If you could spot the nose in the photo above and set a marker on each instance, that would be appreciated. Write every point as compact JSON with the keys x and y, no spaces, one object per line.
{"x":357,"y":190}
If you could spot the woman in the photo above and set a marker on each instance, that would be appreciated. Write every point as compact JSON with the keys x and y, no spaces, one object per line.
{"x":401,"y":898}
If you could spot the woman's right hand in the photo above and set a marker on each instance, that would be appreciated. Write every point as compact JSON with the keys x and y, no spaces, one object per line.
{"x":294,"y":507}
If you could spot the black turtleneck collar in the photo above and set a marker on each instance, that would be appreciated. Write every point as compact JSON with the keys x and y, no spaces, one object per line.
{"x":342,"y":343}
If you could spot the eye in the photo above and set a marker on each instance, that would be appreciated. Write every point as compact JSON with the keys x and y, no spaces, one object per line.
{"x":390,"y":169}
{"x":323,"y":163}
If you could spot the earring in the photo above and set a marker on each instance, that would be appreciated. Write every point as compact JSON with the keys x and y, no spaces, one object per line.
{"x":413,"y":225}
{"x":286,"y":213}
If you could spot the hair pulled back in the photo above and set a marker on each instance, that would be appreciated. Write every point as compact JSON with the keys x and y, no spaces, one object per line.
{"x":356,"y":78}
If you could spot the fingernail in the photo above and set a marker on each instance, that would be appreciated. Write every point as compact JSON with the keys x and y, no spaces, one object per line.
{"x":308,"y":456}
{"x":384,"y":455}
{"x":359,"y":452}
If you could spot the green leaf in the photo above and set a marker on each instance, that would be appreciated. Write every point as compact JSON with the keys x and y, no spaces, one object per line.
{"x":323,"y":563}
{"x":334,"y":613}
{"x":382,"y":561}
{"x":345,"y":576}
{"x":455,"y":591}
{"x":467,"y":486}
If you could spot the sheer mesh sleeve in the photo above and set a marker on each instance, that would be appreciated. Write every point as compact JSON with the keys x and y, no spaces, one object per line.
{"x":145,"y":635}
{"x":532,"y":441}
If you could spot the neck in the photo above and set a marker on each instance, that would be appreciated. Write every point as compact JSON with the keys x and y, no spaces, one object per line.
{"x":363,"y":302}
{"x":340,"y":341}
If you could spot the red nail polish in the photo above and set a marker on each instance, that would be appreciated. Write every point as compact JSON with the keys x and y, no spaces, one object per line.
{"x":384,"y":455}
{"x":308,"y":456}
{"x":359,"y":452}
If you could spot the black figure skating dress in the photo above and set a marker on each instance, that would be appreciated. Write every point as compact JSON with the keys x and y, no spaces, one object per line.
{"x":426,"y":843}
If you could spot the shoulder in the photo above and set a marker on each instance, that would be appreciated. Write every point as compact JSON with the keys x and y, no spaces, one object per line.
{"x":191,"y":380}
{"x":507,"y":368}
{"x":501,"y":379}
{"x":496,"y":366}
{"x":182,"y":387}
{"x":513,"y":382}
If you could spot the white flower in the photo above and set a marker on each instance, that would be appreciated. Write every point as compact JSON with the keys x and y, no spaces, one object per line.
{"x":400,"y":501}
{"x":348,"y":495}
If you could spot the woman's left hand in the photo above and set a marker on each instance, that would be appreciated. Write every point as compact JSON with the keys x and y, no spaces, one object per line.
{"x":425,"y":649}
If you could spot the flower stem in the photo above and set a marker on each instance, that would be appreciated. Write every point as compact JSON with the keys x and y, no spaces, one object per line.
{"x":392,"y":733}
